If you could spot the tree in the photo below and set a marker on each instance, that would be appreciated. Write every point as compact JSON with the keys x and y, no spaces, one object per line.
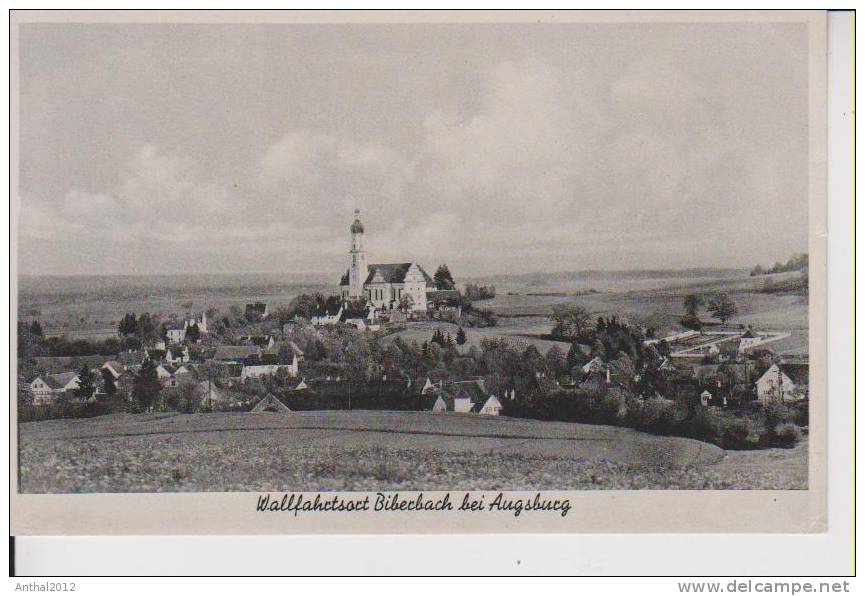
{"x":146,"y":388}
{"x":406,"y":303}
{"x":575,"y":356}
{"x":461,"y":336}
{"x":571,"y":322}
{"x":36,"y":328}
{"x":108,"y":383}
{"x":555,"y":360}
{"x":532,"y":358}
{"x":722,"y":307}
{"x":86,"y":383}
{"x":128,"y":325}
{"x":692,"y":304}
{"x":193,"y":333}
{"x":443,"y":278}
{"x":29,"y":345}
{"x":303,"y":305}
{"x":148,"y":329}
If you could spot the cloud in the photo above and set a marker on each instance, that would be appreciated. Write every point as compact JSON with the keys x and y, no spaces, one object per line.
{"x":318,"y":175}
{"x":544,"y":170}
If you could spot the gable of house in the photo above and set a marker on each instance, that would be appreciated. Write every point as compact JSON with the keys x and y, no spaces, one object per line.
{"x":492,"y":407}
{"x":269,"y":403}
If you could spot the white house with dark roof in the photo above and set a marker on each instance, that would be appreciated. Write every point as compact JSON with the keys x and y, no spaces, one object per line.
{"x":783,"y":382}
{"x":175,"y":332}
{"x":383,"y":285}
{"x":41,"y":391}
{"x":492,"y":407}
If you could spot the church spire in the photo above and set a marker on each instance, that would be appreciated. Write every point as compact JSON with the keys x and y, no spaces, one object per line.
{"x":358,"y":269}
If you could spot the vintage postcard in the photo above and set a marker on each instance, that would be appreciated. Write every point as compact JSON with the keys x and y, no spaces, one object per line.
{"x":299,"y":272}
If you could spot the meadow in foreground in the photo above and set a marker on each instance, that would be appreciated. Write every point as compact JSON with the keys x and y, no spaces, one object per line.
{"x":294,"y":453}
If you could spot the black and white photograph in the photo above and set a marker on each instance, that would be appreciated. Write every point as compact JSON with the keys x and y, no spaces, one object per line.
{"x":280,"y":257}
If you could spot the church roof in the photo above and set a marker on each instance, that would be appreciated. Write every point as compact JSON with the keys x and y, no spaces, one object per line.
{"x":392,"y":273}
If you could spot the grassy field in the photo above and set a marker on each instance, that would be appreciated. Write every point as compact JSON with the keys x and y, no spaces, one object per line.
{"x":365,"y":450}
{"x":91,"y":307}
{"x":524,"y":317}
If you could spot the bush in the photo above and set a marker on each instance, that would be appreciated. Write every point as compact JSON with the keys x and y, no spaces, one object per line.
{"x":656,"y":415}
{"x":692,"y":322}
{"x":720,"y":427}
{"x":778,"y":413}
{"x":787,"y":434}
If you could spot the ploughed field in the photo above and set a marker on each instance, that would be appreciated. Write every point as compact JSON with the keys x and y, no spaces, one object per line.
{"x":374,"y":450}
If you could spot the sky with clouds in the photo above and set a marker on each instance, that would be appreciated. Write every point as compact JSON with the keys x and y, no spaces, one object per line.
{"x":494,"y":148}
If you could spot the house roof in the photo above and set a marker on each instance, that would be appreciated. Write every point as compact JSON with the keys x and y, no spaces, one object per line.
{"x":707,"y":373}
{"x":593,"y":365}
{"x":353,"y":312}
{"x":60,"y":380}
{"x":798,"y":373}
{"x":473,"y":391}
{"x":444,"y":297}
{"x":492,"y":401}
{"x":270,"y":402}
{"x":118,"y":368}
{"x":283,"y":347}
{"x":175,"y":326}
{"x":235,"y":352}
{"x":393,"y":273}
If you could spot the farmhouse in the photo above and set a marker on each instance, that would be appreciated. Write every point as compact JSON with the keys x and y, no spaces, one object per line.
{"x":783,"y":382}
{"x":255,"y":368}
{"x":41,"y":391}
{"x":175,"y":332}
{"x":60,"y":382}
{"x":117,"y":369}
{"x":385,"y":285}
{"x":463,"y":403}
{"x":492,"y":407}
{"x":440,"y":405}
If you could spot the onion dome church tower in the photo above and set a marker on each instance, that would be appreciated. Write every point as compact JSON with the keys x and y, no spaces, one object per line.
{"x":358,"y":270}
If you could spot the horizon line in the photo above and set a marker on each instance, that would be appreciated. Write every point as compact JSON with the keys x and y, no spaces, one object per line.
{"x":312,"y":273}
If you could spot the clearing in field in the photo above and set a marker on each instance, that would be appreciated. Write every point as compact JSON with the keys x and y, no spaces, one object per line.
{"x":377,"y":450}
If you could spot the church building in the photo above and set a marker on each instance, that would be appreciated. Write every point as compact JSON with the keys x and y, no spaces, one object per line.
{"x":383,"y":285}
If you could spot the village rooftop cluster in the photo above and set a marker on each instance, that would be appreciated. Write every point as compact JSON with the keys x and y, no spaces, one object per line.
{"x":714,"y":380}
